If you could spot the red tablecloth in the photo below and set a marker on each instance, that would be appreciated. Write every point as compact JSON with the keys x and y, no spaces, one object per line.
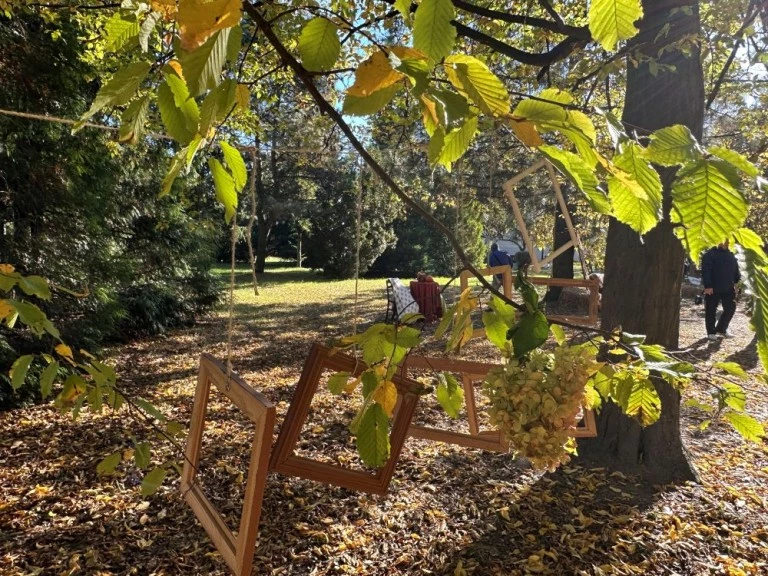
{"x":427,"y":296}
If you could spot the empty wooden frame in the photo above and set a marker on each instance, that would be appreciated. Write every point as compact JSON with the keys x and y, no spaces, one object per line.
{"x":471,"y":372}
{"x":284,"y":459}
{"x":509,"y":192}
{"x":492,"y":440}
{"x":237,"y":551}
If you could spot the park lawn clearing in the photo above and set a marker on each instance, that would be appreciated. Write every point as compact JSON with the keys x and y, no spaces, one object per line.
{"x":449,"y":510}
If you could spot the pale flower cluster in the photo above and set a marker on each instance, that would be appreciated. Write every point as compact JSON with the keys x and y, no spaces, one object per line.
{"x":535,"y":402}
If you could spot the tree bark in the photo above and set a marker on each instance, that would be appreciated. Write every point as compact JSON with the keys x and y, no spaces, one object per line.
{"x":562,"y":265}
{"x":643,"y":276}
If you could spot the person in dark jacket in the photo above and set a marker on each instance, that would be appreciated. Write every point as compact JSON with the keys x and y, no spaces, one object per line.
{"x":720,"y":273}
{"x":497,"y":258}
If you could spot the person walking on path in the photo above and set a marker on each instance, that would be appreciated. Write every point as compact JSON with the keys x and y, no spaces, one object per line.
{"x":720,"y":273}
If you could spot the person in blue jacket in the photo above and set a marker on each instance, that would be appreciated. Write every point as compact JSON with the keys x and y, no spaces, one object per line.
{"x":497,"y":258}
{"x":720,"y":273}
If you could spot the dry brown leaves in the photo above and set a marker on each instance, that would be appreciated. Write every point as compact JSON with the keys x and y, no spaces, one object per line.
{"x":449,"y":511}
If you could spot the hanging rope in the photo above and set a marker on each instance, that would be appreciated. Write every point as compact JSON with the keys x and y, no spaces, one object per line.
{"x":230,"y":327}
{"x":249,"y":234}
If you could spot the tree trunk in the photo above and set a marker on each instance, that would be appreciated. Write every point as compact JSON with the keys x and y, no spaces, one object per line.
{"x":562,"y":265}
{"x":641,"y":291}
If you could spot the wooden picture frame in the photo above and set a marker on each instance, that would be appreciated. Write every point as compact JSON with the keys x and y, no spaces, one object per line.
{"x":237,"y":551}
{"x":285,"y":461}
{"x":471,"y":372}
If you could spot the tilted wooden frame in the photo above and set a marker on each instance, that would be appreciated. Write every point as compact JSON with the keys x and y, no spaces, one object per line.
{"x":575,"y":241}
{"x":471,"y":372}
{"x":285,"y":461}
{"x":237,"y":551}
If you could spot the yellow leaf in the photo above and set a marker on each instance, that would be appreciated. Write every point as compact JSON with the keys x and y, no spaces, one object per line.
{"x":526,"y":133}
{"x":6,"y":269}
{"x":199,"y":19}
{"x":166,"y":7}
{"x":350,"y":387}
{"x":374,"y":74}
{"x":243,"y":96}
{"x":385,"y":396}
{"x":6,"y":309}
{"x":175,"y":65}
{"x":64,"y":350}
{"x":429,"y":113}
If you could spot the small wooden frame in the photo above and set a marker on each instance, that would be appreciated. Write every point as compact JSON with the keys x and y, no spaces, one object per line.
{"x":471,"y":372}
{"x":509,"y":192}
{"x":237,"y":551}
{"x":588,"y":427}
{"x":286,"y":462}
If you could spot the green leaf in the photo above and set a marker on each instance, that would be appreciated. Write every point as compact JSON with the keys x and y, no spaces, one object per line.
{"x":18,"y":372}
{"x":404,"y":7}
{"x":147,"y":27}
{"x":407,"y":336}
{"x":733,"y":396}
{"x":233,"y":43}
{"x":636,"y":193}
{"x":133,"y":119}
{"x":472,"y":78}
{"x":119,"y":90}
{"x":108,"y":464}
{"x":732,"y":368}
{"x":436,"y":143}
{"x":558,"y":333}
{"x":449,"y":394}
{"x":149,"y":409}
{"x":750,"y":241}
{"x":177,"y":163}
{"x":457,"y":142}
{"x":550,"y":111}
{"x":757,"y":276}
{"x":452,"y":108}
{"x":319,"y":45}
{"x":417,"y":71}
{"x":373,"y":437}
{"x":34,"y":318}
{"x":35,"y":286}
{"x":202,"y":67}
{"x":367,"y":105}
{"x":580,"y":174}
{"x":643,"y":401}
{"x":47,"y":378}
{"x":370,"y":382}
{"x":748,"y":427}
{"x":532,"y":331}
{"x":174,"y":118}
{"x":337,"y":382}
{"x":708,"y":204}
{"x":142,"y":455}
{"x":495,"y":329}
{"x":611,"y":21}
{"x":217,"y":104}
{"x":433,"y":32}
{"x":120,"y":32}
{"x":672,"y":146}
{"x":152,"y":481}
{"x":225,"y":188}
{"x":236,"y":164}
{"x":736,"y":160}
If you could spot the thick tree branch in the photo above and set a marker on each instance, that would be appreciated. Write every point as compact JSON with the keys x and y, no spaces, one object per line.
{"x":328,"y":109}
{"x":559,"y":52}
{"x":557,"y":26}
